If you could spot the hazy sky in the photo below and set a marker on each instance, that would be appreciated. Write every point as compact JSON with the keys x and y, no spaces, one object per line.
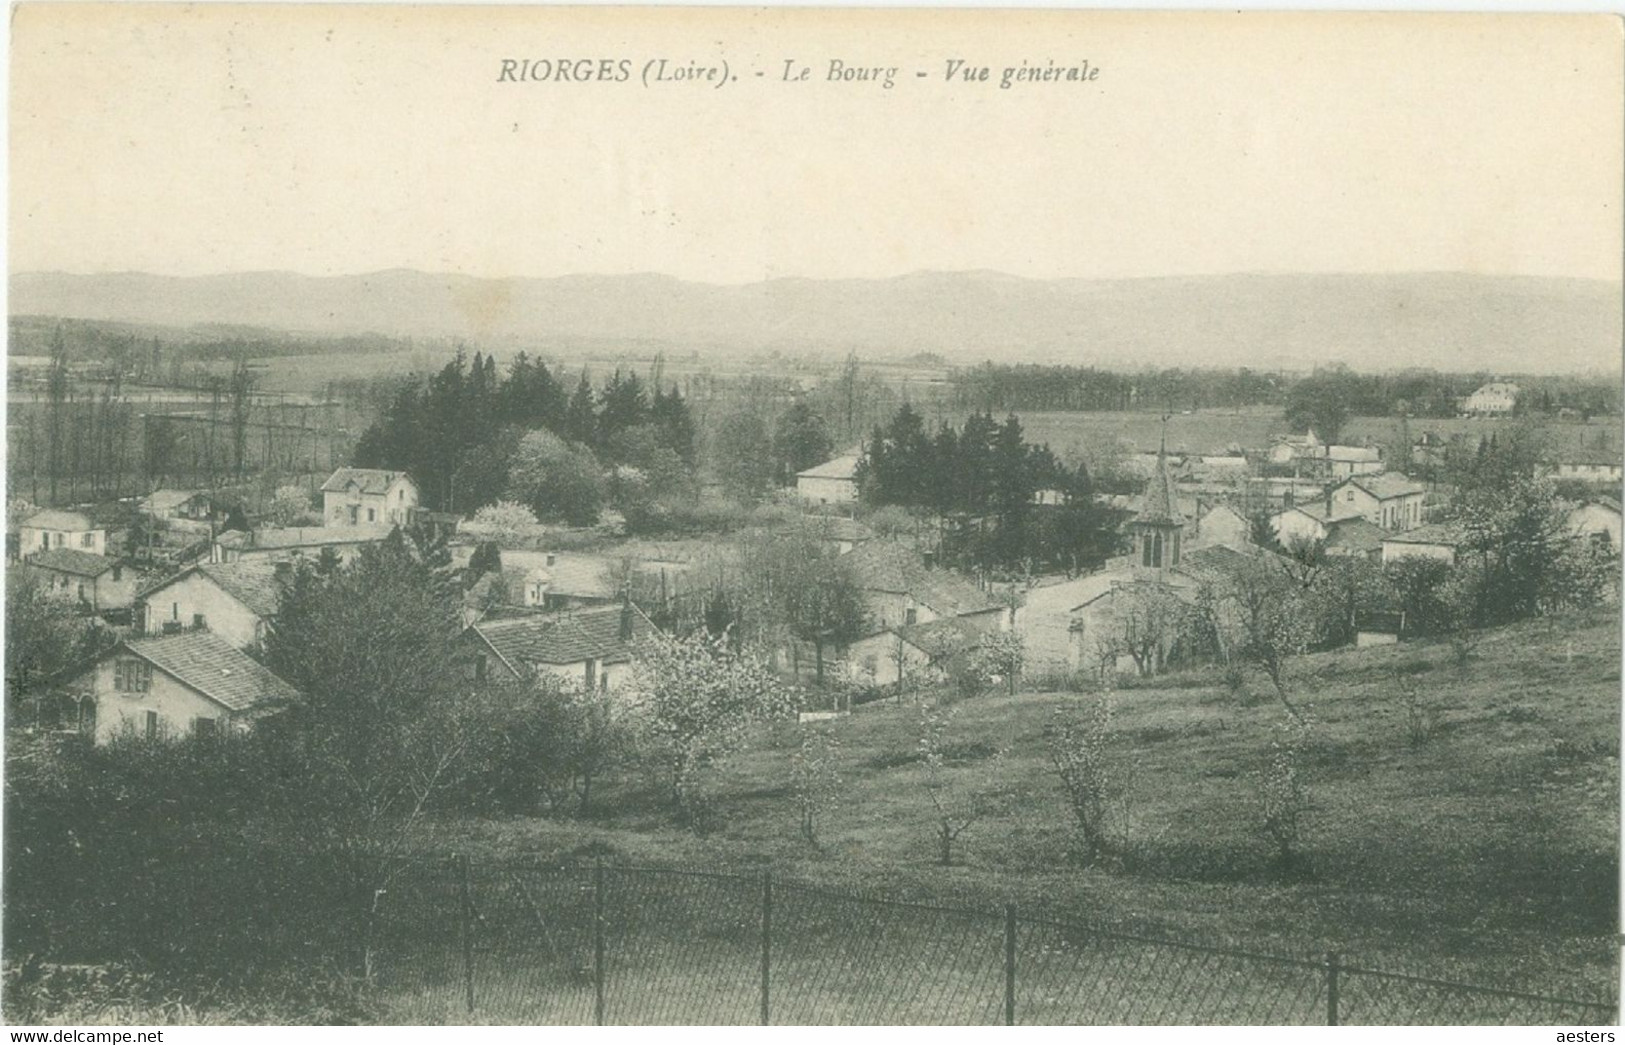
{"x":324,"y":140}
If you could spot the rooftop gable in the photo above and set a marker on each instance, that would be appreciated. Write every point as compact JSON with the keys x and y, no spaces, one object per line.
{"x":74,"y":561}
{"x":366,"y":480}
{"x":213,"y":667}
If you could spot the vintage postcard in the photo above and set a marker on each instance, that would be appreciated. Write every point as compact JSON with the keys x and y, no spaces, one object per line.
{"x":651,"y":516}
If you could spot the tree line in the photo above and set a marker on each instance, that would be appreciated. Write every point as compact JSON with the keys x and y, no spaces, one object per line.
{"x":1324,"y":399}
{"x":1001,"y":501}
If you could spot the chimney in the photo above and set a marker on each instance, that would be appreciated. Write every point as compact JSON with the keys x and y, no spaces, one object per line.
{"x":626,"y":617}
{"x":1328,"y":502}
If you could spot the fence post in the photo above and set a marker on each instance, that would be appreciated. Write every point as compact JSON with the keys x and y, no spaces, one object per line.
{"x":598,"y":941}
{"x":767,"y":944}
{"x":467,"y":932}
{"x":1334,"y":968}
{"x":1010,"y":965}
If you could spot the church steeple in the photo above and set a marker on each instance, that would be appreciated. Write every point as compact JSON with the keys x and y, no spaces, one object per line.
{"x":1158,"y":526}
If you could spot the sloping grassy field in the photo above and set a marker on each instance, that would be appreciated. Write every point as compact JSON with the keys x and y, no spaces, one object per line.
{"x":1487,"y":853}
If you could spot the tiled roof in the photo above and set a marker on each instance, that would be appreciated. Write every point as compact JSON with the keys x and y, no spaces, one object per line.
{"x":251,"y":582}
{"x":843,"y":467}
{"x":213,"y":667}
{"x":1316,"y":510}
{"x":1069,"y":595}
{"x":272,"y":538}
{"x":52,"y":519}
{"x":1434,"y":533}
{"x":168,"y":500}
{"x":892,"y":567}
{"x":71,"y":560}
{"x":1590,"y":457}
{"x":1215,"y":561}
{"x":1357,"y":533}
{"x":941,"y":636}
{"x":567,"y":637}
{"x":1385,"y":485}
{"x":370,"y":480}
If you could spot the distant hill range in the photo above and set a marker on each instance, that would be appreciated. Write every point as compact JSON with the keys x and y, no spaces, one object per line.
{"x":1449,"y":321}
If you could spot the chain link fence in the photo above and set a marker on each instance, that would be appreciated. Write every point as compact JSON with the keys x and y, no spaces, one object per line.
{"x":502,"y":942}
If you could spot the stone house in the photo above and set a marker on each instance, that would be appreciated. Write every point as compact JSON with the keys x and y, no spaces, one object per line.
{"x":593,"y":648}
{"x":1389,"y":500}
{"x":368,"y":497}
{"x":237,"y":600}
{"x":833,"y":482}
{"x":52,"y":530}
{"x":192,"y":683}
{"x":96,"y":582}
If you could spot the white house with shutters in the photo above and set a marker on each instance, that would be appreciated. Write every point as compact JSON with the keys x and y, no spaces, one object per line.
{"x":368,"y":497}
{"x":52,"y":530}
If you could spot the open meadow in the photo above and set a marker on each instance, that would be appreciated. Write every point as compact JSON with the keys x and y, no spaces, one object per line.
{"x":1483,"y":851}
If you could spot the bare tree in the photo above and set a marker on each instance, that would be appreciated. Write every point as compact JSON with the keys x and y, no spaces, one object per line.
{"x":956,"y":802}
{"x":1078,"y":740}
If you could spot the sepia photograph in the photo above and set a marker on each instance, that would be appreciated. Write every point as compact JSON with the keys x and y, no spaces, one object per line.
{"x":649,"y":516}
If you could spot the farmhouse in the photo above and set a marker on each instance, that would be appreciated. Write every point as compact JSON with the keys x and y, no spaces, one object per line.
{"x":192,"y":505}
{"x":272,"y":543}
{"x":236,"y":600}
{"x":52,"y":529}
{"x":1285,"y":449}
{"x":893,"y":655}
{"x":901,"y":588}
{"x":96,"y":582}
{"x":833,"y":482}
{"x":1494,"y":399}
{"x":1597,"y":521}
{"x":1439,"y":541}
{"x":1310,"y":522}
{"x":1588,"y":468}
{"x":593,"y":648}
{"x":1388,"y":500}
{"x":1343,"y":462}
{"x":368,"y":497}
{"x":192,"y":683}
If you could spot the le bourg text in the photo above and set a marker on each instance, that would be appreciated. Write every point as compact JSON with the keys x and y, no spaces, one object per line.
{"x":716,"y":73}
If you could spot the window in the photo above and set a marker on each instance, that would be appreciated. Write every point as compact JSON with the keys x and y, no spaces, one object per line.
{"x":372,"y":515}
{"x":87,"y":540}
{"x":1174,"y":560}
{"x":59,"y":540}
{"x":482,"y":668}
{"x":910,"y":615}
{"x":1156,"y":551}
{"x":591,"y":672}
{"x":81,"y":591}
{"x":174,"y":611}
{"x":1349,"y":496}
{"x":132,"y":676}
{"x":603,"y":682}
{"x":1145,"y":550}
{"x":118,"y":574}
{"x":152,"y":725}
{"x":198,"y":620}
{"x":205,"y":727}
{"x":355,"y":514}
{"x":87,"y":716}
